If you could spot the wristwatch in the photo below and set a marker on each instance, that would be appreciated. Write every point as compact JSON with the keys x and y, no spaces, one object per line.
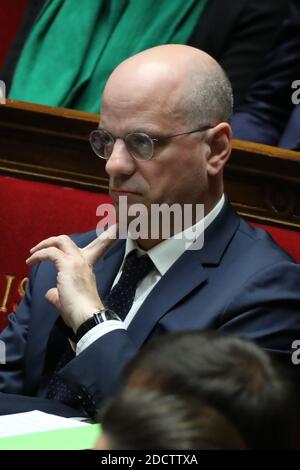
{"x":101,"y":316}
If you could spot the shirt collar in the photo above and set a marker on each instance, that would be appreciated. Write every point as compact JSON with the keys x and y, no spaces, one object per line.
{"x":168,"y":251}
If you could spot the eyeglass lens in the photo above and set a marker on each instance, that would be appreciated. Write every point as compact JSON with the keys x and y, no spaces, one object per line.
{"x":139,"y":145}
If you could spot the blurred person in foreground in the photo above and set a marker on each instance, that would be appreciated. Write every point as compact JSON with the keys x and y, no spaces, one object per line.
{"x":232,"y":375}
{"x":150,"y":419}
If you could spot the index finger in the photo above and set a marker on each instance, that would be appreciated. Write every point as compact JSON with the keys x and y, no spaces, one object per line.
{"x":63,"y":242}
{"x":100,"y":245}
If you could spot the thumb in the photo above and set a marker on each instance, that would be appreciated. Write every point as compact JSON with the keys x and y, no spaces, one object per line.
{"x":96,"y":249}
{"x":53,"y":297}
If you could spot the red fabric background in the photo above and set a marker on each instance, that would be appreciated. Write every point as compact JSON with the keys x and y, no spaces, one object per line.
{"x":11,"y":13}
{"x":31,"y":211}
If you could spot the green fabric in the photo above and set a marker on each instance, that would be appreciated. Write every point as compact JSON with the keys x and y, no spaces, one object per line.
{"x":74,"y":45}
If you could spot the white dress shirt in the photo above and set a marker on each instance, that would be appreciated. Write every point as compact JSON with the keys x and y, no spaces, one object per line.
{"x":163,"y":257}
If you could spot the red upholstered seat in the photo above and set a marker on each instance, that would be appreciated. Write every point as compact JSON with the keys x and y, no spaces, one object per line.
{"x":29,"y":212}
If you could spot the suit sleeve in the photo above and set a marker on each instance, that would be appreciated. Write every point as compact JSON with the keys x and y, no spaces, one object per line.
{"x":15,"y":335}
{"x":265,"y":113}
{"x":15,"y":338}
{"x":266,"y":310}
{"x":95,"y":373}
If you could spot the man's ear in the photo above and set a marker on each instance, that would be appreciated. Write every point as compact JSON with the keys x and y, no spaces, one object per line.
{"x":219,"y":140}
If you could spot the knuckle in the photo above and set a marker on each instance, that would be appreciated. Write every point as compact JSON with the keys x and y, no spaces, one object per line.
{"x":63,"y":238}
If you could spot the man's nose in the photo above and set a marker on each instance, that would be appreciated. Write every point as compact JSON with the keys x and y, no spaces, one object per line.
{"x":120,"y":162}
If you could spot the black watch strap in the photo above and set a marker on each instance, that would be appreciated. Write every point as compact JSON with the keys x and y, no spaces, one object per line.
{"x":98,"y":317}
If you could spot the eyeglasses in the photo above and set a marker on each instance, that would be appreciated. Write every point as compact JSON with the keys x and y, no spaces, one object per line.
{"x":138,"y":144}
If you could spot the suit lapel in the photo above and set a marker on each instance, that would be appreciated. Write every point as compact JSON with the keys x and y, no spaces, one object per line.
{"x":107,"y":267}
{"x":185,"y":275}
{"x":188,"y":273}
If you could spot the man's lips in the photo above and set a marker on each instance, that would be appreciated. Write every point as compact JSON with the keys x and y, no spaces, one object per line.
{"x":115,"y":194}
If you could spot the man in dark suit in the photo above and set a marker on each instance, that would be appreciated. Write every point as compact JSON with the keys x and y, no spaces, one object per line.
{"x":271,"y":112}
{"x":165,"y":135}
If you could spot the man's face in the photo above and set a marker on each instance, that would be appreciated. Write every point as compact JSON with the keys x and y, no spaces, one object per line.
{"x":177,"y":171}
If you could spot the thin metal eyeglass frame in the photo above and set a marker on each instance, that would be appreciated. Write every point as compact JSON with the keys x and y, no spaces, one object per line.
{"x":153,"y":140}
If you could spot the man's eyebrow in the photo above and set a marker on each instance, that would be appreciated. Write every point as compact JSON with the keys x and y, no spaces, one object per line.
{"x":144,"y":131}
{"x":150,"y":133}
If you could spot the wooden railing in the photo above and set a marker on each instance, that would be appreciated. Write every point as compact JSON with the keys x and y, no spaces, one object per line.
{"x":51,"y":144}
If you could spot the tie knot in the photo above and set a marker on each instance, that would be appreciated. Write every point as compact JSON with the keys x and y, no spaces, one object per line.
{"x":137,"y":267}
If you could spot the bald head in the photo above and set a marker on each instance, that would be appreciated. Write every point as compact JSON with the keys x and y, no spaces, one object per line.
{"x":171,"y":99}
{"x":180,"y":79}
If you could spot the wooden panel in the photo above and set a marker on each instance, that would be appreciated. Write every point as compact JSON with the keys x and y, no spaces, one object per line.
{"x":42,"y":142}
{"x":51,"y":144}
{"x":263,"y":183}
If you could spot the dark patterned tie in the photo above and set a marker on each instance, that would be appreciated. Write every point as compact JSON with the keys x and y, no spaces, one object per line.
{"x":121,"y":297}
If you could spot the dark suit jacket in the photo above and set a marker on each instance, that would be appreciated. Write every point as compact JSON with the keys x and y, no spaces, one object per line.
{"x":269,"y":115}
{"x":239,"y":283}
{"x":237,"y":34}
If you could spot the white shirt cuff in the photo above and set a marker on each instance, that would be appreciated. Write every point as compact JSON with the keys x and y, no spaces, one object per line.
{"x":96,"y":333}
